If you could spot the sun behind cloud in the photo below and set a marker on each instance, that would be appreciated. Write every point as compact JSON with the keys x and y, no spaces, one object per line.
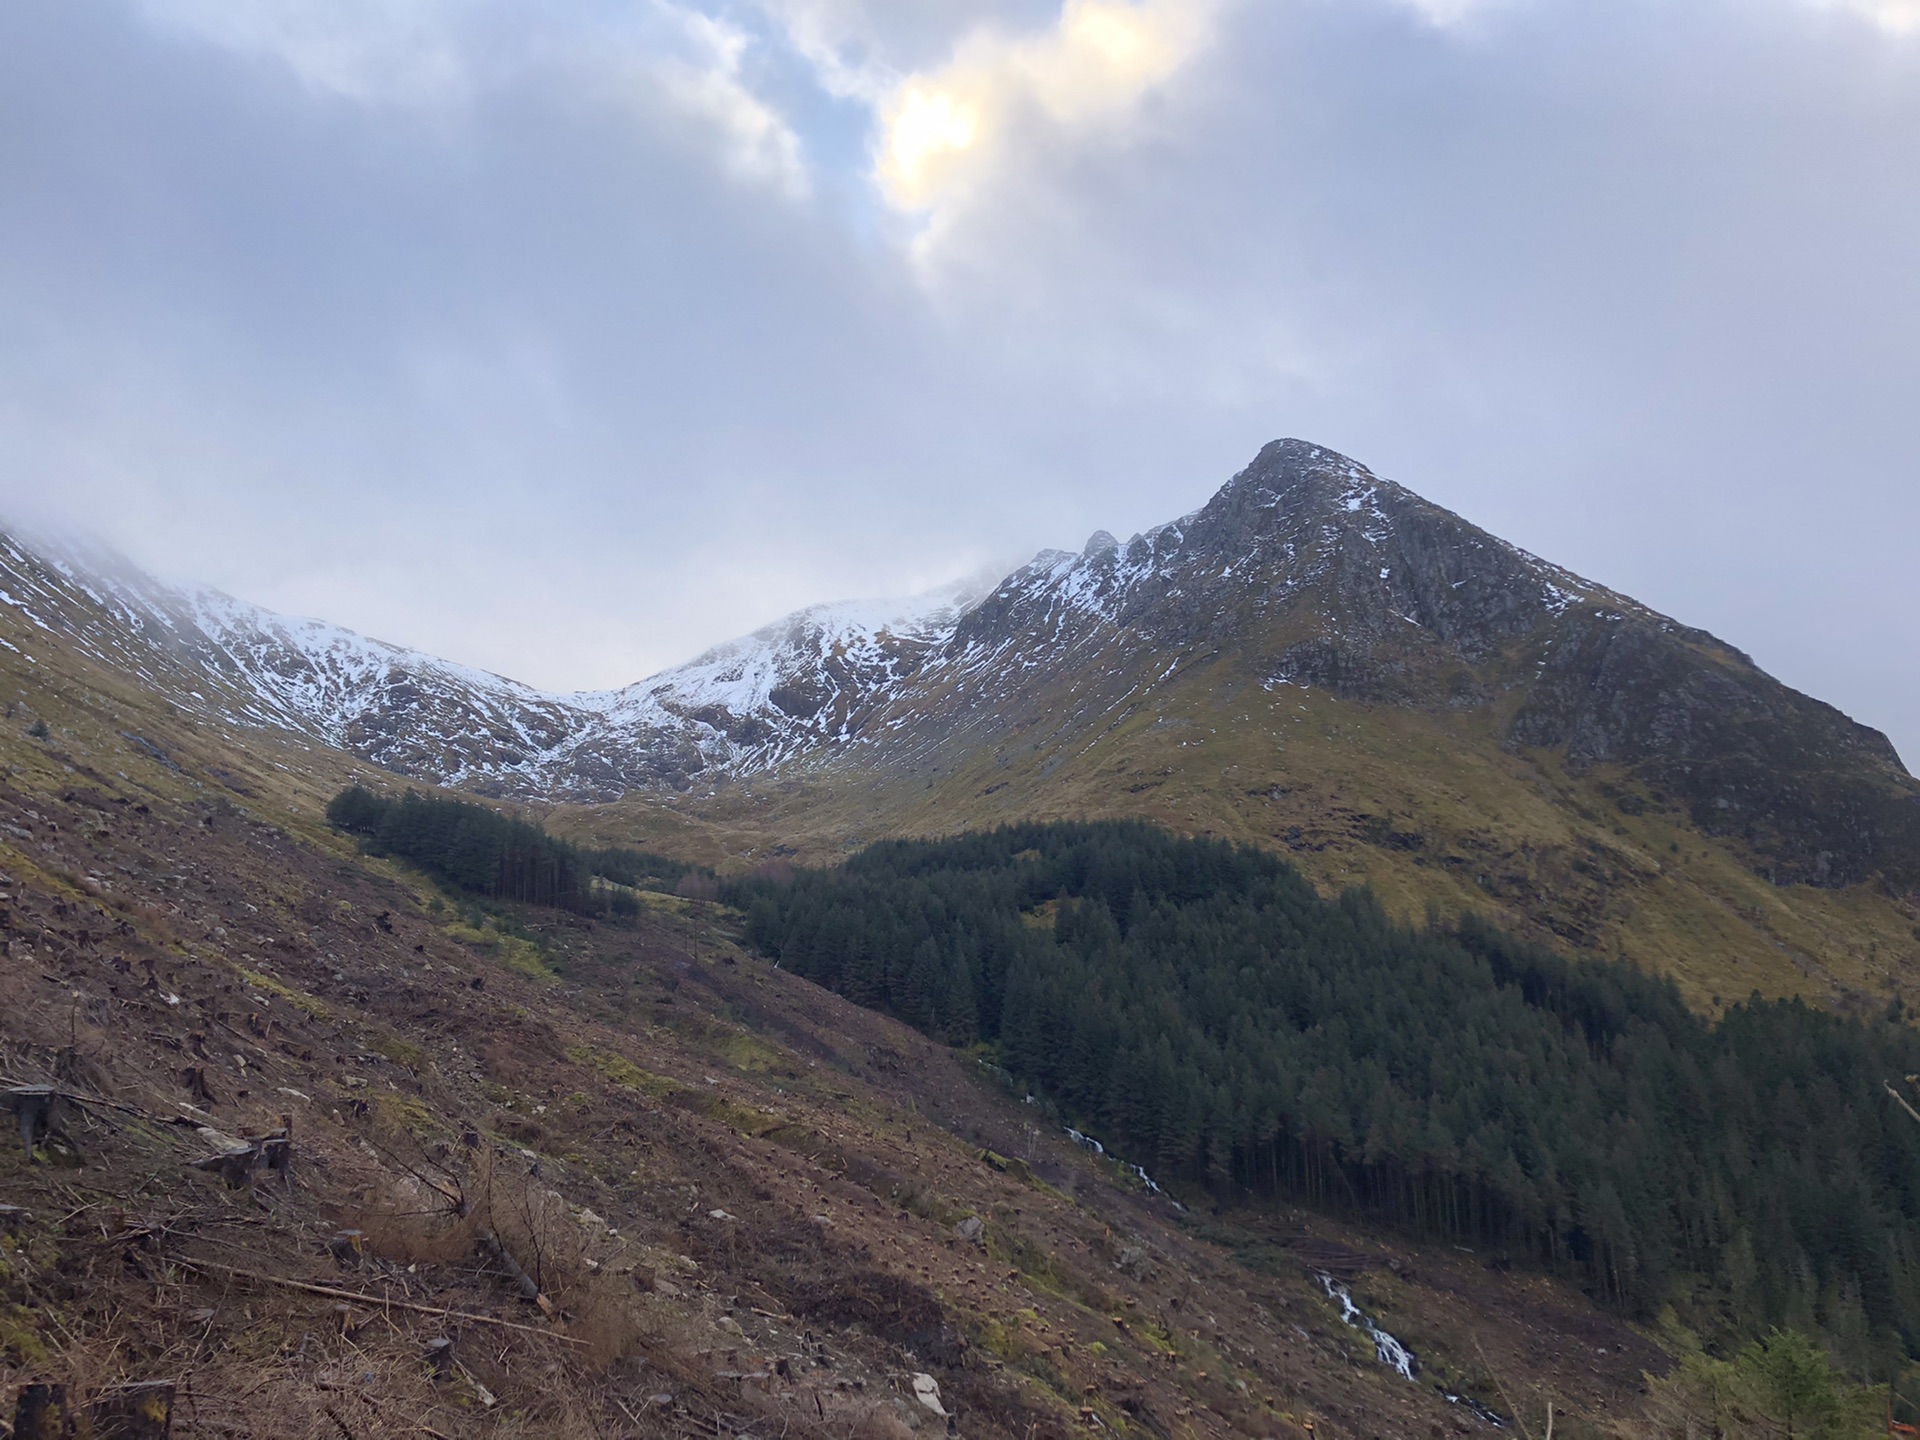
{"x":1898,"y":17}
{"x":941,"y":130}
{"x":924,"y":124}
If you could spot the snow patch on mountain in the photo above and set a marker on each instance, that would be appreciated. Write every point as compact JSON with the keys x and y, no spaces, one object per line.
{"x":1300,"y":521}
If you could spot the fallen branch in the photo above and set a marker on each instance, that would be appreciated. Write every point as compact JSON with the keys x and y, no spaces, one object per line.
{"x":375,"y":1301}
{"x":1900,"y":1099}
{"x":95,"y":1100}
{"x":528,"y":1286}
{"x":1518,"y":1419}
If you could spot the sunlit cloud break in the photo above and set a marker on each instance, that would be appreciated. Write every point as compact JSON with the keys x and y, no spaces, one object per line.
{"x":940,"y":130}
{"x":1899,"y":17}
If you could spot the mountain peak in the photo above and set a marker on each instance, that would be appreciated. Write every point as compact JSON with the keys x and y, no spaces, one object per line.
{"x":1291,"y":478}
{"x":1294,"y":456}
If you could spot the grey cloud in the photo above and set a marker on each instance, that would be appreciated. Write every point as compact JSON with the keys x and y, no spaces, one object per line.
{"x":538,"y":380}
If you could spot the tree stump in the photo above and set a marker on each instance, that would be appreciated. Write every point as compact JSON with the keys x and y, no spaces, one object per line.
{"x":194,"y":1077}
{"x":233,"y":1166}
{"x":41,"y":1111}
{"x":134,"y":1412}
{"x":40,"y":1413}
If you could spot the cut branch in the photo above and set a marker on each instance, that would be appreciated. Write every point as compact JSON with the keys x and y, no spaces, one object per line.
{"x":375,"y":1301}
{"x":1900,"y":1100}
{"x":528,"y":1286}
{"x":1518,"y":1418}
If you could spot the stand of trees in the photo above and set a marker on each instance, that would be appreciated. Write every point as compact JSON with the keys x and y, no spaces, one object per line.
{"x":1781,"y":1387}
{"x":1205,"y":1013}
{"x":479,"y":850}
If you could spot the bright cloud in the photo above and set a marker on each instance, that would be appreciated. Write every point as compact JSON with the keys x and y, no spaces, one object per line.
{"x":707,"y":80}
{"x":927,"y":124}
{"x":1898,"y":17}
{"x":940,"y":130}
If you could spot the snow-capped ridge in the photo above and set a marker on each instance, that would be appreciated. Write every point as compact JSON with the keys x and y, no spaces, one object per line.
{"x":851,"y":675}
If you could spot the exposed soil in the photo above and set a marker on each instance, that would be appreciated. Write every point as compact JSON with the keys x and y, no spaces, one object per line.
{"x":748,"y":1206}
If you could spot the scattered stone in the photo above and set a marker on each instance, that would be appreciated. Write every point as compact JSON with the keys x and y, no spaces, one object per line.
{"x":238,"y":1164}
{"x":926,"y":1390}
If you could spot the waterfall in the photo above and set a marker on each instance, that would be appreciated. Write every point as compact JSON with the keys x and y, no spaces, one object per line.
{"x":1392,"y":1353}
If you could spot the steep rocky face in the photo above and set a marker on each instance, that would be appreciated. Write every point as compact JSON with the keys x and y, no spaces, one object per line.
{"x":1309,"y":566}
{"x":1305,"y":570}
{"x":1824,"y":799}
{"x":106,"y":611}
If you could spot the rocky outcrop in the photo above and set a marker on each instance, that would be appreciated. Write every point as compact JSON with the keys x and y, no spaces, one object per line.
{"x":1822,"y":799}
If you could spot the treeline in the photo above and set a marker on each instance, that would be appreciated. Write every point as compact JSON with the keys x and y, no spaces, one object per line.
{"x":479,"y":850}
{"x":1198,"y":1007}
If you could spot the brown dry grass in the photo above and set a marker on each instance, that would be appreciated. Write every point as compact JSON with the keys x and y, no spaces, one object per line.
{"x":838,"y":1146}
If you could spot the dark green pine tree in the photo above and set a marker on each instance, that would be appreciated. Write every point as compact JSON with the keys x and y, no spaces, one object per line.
{"x":1198,"y":1007}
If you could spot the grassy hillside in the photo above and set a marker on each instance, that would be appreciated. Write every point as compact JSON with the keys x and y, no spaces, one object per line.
{"x":1427,"y":807}
{"x":746,"y":1203}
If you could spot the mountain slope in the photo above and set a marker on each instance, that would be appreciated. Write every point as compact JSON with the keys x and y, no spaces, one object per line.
{"x":746,"y":1202}
{"x":720,"y":1169}
{"x":1308,"y":571}
{"x":1321,"y":661}
{"x":1317,"y":660}
{"x":740,"y":708}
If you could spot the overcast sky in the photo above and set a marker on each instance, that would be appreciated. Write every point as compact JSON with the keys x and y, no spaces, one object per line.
{"x":569,"y":338}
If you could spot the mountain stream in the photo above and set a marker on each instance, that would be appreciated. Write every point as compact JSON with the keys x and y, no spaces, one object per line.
{"x":1396,"y":1356}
